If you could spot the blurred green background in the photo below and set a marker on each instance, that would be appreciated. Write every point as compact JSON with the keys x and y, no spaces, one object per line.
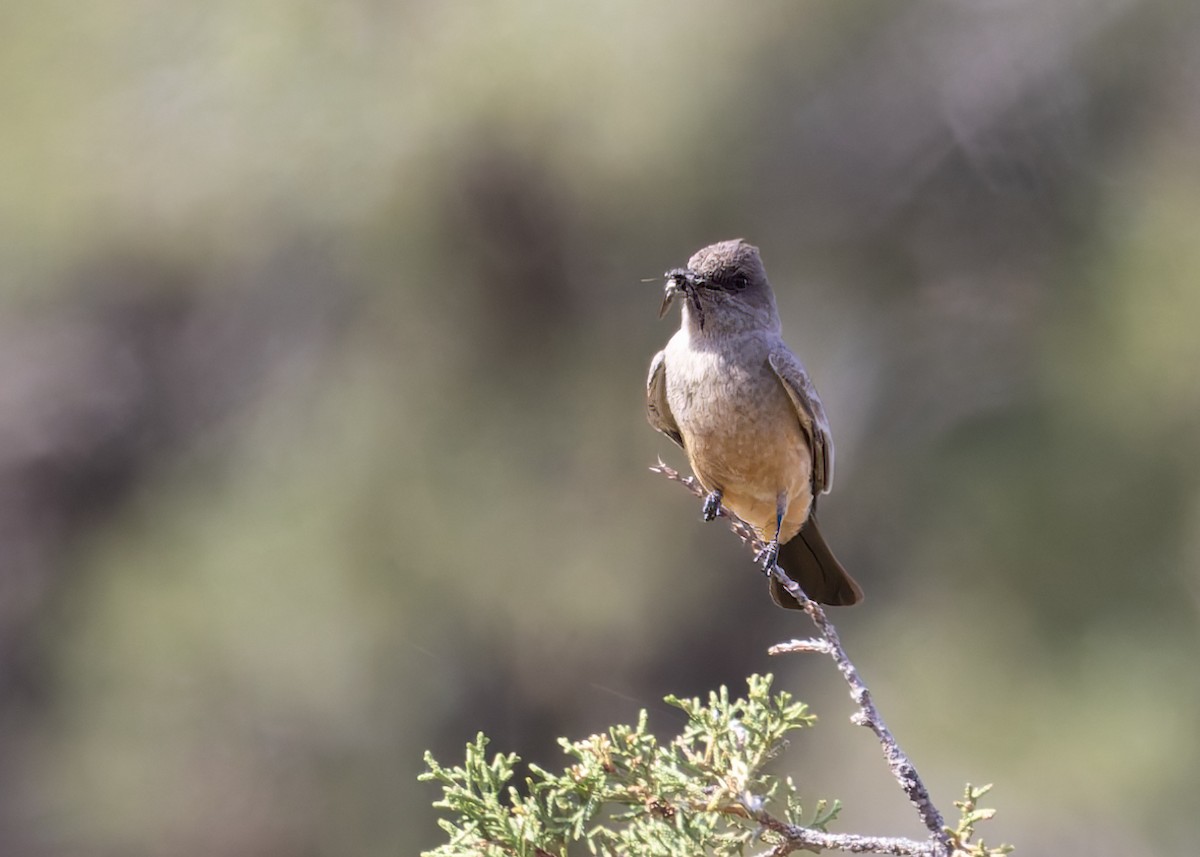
{"x":322,"y":351}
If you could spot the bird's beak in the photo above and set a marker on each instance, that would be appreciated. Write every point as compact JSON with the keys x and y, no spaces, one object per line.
{"x":669,"y":294}
{"x":681,"y":281}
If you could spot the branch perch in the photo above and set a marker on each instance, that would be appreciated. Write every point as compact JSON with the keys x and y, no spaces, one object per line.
{"x":902,"y":768}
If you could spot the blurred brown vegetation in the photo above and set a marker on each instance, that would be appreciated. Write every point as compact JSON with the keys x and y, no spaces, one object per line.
{"x":322,"y":343}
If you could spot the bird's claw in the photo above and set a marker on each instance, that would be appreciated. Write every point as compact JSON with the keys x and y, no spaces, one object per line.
{"x":712,"y":505}
{"x":768,"y":557}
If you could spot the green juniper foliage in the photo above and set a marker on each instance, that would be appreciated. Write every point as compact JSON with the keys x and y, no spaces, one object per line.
{"x":628,"y":794}
{"x":972,"y":814}
{"x":703,"y":793}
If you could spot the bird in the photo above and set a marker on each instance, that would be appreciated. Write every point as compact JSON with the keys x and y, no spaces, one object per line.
{"x":729,"y":391}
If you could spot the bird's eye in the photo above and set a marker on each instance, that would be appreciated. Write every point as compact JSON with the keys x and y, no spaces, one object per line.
{"x":729,"y":280}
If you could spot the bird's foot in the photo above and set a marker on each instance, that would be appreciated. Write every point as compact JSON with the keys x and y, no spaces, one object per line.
{"x":768,"y":557}
{"x":712,"y":505}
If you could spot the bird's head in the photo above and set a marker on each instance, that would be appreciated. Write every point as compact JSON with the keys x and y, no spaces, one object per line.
{"x":723,"y":284}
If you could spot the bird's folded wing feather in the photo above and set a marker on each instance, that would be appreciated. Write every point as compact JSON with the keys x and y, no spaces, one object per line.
{"x":658,"y":412}
{"x":808,"y":406}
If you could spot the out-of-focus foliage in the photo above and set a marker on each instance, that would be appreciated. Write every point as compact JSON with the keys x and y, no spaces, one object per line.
{"x":322,"y":342}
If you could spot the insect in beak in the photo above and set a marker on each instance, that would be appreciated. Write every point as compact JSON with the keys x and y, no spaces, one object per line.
{"x":681,"y":281}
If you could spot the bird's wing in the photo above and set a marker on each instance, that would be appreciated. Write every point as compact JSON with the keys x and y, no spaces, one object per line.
{"x":812,"y":415}
{"x":658,"y":412}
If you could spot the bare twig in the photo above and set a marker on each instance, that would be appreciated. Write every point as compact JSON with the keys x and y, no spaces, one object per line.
{"x":868,"y":715}
{"x":809,"y":645}
{"x":796,"y":838}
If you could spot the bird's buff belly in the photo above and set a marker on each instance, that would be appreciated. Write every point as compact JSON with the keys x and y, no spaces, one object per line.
{"x":755,"y":466}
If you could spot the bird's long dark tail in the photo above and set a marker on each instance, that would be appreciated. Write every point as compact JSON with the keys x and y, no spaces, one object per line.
{"x":808,"y":560}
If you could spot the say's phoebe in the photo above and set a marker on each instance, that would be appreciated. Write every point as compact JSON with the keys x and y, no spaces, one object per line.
{"x":733,"y":395}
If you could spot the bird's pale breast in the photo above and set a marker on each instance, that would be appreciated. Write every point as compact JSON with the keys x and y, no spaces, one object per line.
{"x":740,"y":430}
